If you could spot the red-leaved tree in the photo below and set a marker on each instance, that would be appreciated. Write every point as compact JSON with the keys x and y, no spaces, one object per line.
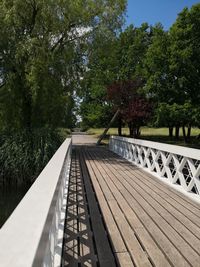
{"x":136,"y":114}
{"x":134,"y":108}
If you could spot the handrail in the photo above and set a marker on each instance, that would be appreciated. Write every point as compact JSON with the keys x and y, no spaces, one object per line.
{"x":178,"y":165}
{"x":179,"y":150}
{"x":32,"y":236}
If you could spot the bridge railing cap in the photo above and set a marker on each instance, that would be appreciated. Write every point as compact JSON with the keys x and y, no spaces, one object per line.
{"x":21,"y":234}
{"x":178,"y":150}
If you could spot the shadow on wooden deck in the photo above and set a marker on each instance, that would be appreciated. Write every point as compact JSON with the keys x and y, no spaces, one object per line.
{"x":85,"y":241}
{"x":118,"y":215}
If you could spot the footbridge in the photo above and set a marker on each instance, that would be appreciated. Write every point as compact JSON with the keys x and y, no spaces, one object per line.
{"x":134,"y":203}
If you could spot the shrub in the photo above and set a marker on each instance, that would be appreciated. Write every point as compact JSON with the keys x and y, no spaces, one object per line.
{"x":25,"y":153}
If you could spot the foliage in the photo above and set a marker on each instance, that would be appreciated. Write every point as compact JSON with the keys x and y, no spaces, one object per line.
{"x":134,"y":108}
{"x":120,"y":93}
{"x":172,"y":71}
{"x":110,"y":60}
{"x":131,"y":47}
{"x":43,"y":46}
{"x":196,"y":116}
{"x":176,"y":114}
{"x":172,"y":60}
{"x":96,"y":115}
{"x":159,"y":79}
{"x":100,"y":65}
{"x":185,"y":54}
{"x":24,"y":154}
{"x":137,"y":113}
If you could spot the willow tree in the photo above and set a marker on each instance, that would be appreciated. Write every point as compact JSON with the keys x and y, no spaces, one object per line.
{"x":43,"y":50}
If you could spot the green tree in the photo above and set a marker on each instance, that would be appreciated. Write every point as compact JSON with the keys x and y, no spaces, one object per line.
{"x":159,"y":78}
{"x":42,"y":47}
{"x":131,"y":49}
{"x":95,"y":109}
{"x":185,"y":54}
{"x":44,"y":51}
{"x":177,"y":115}
{"x":172,"y":66}
{"x":101,"y":66}
{"x":118,"y":57}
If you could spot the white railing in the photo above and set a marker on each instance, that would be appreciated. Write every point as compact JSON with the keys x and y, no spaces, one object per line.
{"x":33,"y":234}
{"x":175,"y":164}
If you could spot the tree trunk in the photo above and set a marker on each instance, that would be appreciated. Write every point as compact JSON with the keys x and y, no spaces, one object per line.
{"x":189,"y":132}
{"x":137,"y":132}
{"x":131,"y":129}
{"x":184,"y":134}
{"x":170,"y":132}
{"x":177,"y":132}
{"x":109,"y":125}
{"x":120,"y":126}
{"x":27,"y":111}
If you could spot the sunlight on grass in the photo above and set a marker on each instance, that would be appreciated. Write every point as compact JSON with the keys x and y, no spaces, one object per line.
{"x":145,"y":131}
{"x":152,"y":134}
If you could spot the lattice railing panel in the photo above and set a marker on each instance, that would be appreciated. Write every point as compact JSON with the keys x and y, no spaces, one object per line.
{"x":179,"y":165}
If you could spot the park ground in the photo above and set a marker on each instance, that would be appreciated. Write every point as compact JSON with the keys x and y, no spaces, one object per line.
{"x":152,"y":134}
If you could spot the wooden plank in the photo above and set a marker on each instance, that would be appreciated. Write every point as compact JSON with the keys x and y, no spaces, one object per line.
{"x":139,"y":256}
{"x":183,"y":226}
{"x":164,"y":191}
{"x":174,"y":199}
{"x":116,"y":238}
{"x":122,"y":256}
{"x":152,"y":249}
{"x":182,"y":237}
{"x":124,"y":259}
{"x":146,"y":226}
{"x":181,"y":198}
{"x":167,"y":246}
{"x":172,"y":193}
{"x":179,"y":227}
{"x":104,"y":252}
{"x":188,"y":222}
{"x":183,"y":246}
{"x":87,"y":255}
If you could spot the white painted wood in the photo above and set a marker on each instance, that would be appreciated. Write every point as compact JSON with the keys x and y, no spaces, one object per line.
{"x":179,"y":150}
{"x":178,"y":165}
{"x":32,"y":236}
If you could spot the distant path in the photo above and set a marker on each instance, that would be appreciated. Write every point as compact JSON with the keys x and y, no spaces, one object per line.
{"x":81,"y":138}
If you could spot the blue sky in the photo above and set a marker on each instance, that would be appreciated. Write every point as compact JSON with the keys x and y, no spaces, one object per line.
{"x":152,"y":11}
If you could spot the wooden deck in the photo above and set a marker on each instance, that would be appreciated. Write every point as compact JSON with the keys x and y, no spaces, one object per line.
{"x":118,"y":215}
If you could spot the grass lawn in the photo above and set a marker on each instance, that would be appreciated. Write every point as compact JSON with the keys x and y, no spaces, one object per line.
{"x":153,"y":134}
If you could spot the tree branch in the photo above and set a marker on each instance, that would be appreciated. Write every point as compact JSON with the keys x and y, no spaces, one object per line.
{"x":2,"y":85}
{"x":64,"y":35}
{"x":34,"y":15}
{"x":57,"y":43}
